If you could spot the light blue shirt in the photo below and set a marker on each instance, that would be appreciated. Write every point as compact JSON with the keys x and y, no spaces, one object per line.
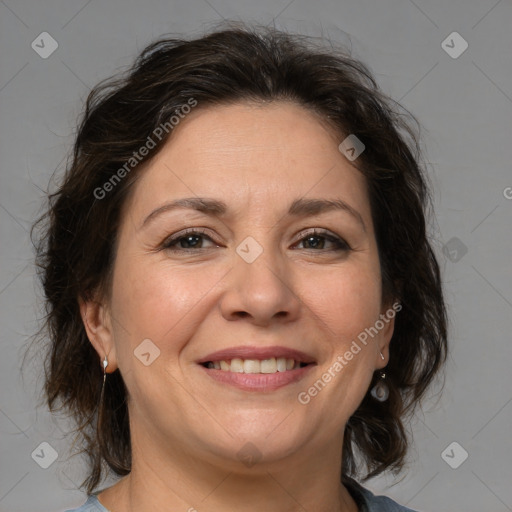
{"x":365,"y":499}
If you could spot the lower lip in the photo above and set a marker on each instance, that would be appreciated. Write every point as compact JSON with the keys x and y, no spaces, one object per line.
{"x":258,"y":381}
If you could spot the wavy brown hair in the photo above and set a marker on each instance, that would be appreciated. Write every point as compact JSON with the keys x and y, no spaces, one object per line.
{"x":76,"y":236}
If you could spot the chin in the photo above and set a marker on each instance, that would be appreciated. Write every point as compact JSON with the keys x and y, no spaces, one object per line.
{"x":263,"y":438}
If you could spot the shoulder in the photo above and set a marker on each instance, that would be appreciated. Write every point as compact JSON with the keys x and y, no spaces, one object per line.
{"x":91,"y":505}
{"x":369,"y":502}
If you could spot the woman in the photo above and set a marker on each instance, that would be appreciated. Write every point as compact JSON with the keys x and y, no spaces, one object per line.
{"x":243,"y":304}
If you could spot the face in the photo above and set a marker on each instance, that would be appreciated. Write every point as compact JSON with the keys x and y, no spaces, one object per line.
{"x":251,"y":302}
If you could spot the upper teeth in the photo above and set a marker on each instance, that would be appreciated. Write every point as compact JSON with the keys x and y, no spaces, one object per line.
{"x":272,"y":365}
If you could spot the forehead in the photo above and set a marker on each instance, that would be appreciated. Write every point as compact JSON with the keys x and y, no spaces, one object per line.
{"x":259,"y":155}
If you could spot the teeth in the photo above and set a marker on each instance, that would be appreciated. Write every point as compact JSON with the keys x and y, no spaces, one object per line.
{"x":281,"y":364}
{"x":252,"y":366}
{"x":237,"y":365}
{"x":268,"y":365}
{"x":272,"y":365}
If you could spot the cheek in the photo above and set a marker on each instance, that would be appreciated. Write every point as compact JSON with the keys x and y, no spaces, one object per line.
{"x":347,"y":303}
{"x":160,"y":302}
{"x":347,"y":299}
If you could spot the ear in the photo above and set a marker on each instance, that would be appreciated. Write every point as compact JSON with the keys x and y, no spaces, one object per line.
{"x":387,"y":317}
{"x":98,"y":326}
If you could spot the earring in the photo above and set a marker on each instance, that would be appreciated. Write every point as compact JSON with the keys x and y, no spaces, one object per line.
{"x":380,"y":391}
{"x":105,"y":364}
{"x":382,"y":356}
{"x":99,"y":419}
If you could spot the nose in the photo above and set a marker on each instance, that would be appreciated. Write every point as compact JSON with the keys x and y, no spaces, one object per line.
{"x":263,"y":292}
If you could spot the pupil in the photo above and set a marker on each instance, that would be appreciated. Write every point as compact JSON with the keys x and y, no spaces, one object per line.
{"x":189,"y":238}
{"x":314,"y":244}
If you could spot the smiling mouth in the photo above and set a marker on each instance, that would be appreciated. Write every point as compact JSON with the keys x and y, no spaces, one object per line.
{"x":256,"y":366}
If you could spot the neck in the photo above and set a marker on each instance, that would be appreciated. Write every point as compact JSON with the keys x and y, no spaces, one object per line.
{"x":160,"y":481}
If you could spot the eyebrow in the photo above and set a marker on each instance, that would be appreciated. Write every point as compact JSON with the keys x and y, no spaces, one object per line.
{"x":299,"y":208}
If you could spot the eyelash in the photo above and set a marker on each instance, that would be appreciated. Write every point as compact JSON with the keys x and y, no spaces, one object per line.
{"x":168,"y":244}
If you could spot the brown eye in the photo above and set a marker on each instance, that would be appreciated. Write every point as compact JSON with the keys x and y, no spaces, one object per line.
{"x":318,"y":239}
{"x":186,"y":241}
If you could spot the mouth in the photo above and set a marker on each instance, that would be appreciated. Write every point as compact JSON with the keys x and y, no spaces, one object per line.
{"x":257,"y":368}
{"x":266,"y":366}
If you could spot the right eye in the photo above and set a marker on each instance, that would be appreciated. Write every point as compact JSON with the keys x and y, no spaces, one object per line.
{"x":186,"y":240}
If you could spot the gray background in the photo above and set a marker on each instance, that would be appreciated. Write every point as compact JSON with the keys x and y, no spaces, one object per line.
{"x":465,"y":107}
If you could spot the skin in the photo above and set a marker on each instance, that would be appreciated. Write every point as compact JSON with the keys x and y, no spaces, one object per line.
{"x":187,"y":428}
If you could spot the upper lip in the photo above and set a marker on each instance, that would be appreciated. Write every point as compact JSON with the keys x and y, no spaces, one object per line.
{"x":248,"y":352}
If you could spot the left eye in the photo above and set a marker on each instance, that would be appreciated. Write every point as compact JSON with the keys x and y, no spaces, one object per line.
{"x":311,"y":238}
